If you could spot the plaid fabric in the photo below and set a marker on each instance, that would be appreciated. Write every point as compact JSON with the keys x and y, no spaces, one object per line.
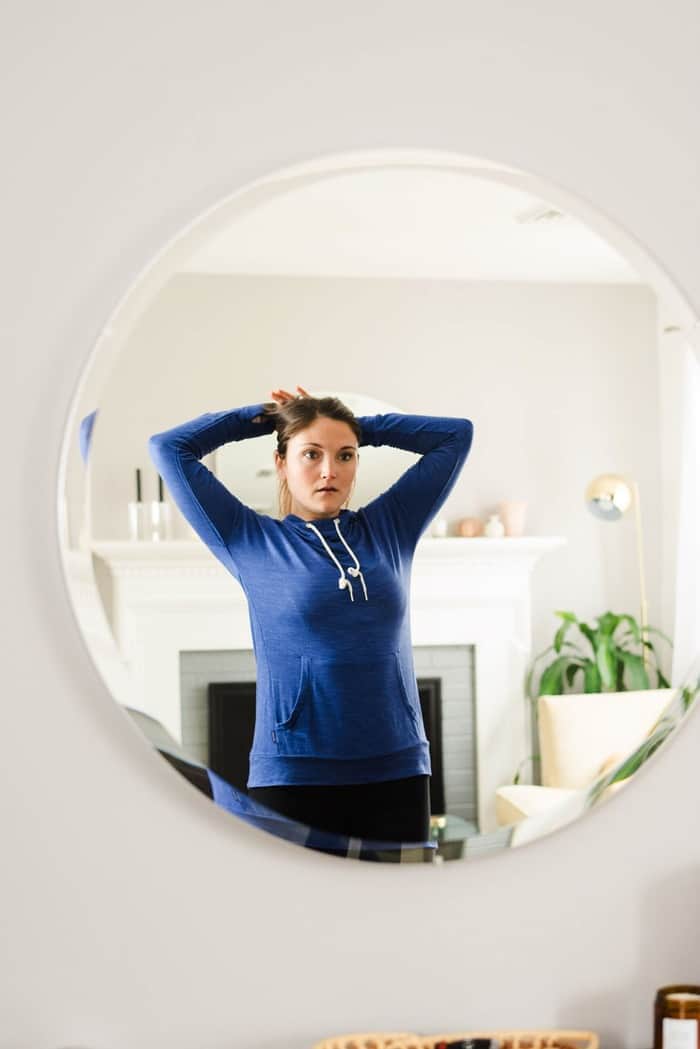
{"x":257,"y":815}
{"x":464,"y":845}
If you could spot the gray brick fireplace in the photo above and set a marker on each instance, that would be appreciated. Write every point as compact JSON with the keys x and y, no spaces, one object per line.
{"x":452,"y":664}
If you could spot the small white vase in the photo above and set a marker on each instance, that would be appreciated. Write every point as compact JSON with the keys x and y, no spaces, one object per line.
{"x":494,"y":527}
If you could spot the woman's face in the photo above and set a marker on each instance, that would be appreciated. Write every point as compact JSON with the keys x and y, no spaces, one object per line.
{"x":319,"y":468}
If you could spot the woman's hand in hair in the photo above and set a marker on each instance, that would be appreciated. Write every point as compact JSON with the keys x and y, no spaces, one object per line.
{"x":282,"y":396}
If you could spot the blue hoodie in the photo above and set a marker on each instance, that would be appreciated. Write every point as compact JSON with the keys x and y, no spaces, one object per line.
{"x":336,"y":694}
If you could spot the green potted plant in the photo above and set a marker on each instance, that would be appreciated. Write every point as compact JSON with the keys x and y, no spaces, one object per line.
{"x":614,"y":662}
{"x":605,"y":657}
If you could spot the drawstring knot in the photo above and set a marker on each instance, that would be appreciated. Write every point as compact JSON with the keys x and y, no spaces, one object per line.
{"x":354,"y":570}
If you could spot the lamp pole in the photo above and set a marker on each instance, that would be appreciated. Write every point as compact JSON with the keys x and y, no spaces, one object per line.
{"x":608,"y":497}
{"x":642,"y":584}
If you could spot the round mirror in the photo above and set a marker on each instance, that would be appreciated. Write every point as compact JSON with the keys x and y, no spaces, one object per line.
{"x":444,"y":652}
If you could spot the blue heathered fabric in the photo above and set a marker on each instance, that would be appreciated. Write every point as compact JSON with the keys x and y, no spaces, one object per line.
{"x":336,"y":695}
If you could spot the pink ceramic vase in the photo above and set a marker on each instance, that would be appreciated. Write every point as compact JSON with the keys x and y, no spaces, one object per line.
{"x":512,"y":513}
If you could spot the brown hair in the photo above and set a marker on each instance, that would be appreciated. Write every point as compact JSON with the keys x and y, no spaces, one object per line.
{"x":295,"y":415}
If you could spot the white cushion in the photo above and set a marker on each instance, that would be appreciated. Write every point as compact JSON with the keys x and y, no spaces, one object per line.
{"x":517,"y":801}
{"x":566,"y":810}
{"x":579,"y":732}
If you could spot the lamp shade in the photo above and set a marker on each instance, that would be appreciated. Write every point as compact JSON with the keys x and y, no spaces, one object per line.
{"x":608,"y":497}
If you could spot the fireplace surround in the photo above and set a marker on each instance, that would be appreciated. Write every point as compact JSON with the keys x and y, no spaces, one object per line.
{"x":172,"y":597}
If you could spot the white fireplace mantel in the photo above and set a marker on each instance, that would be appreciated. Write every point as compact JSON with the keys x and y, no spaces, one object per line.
{"x":171,"y":597}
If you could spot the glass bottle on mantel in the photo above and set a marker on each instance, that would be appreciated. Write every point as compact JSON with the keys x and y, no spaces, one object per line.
{"x":137,"y":513}
{"x":160,"y":519}
{"x":677,"y":1017}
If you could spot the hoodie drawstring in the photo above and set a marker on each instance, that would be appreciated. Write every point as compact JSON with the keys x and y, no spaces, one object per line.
{"x":343,"y":581}
{"x":351,"y":571}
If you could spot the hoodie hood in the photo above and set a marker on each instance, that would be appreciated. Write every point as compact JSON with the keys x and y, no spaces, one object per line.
{"x":323,"y":524}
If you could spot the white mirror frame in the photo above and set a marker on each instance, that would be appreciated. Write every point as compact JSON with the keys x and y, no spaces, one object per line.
{"x":153,"y":277}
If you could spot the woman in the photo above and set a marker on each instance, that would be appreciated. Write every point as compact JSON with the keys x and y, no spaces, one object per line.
{"x":339,"y":742}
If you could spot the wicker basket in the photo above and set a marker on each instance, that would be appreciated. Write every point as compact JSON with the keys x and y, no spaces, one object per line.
{"x":549,"y":1039}
{"x":375,"y":1040}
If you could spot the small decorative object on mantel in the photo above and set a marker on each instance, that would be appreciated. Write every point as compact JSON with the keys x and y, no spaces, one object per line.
{"x":512,"y":512}
{"x":439,"y":528}
{"x":677,"y":1016}
{"x":160,"y":521}
{"x":542,"y":1039}
{"x":494,"y":527}
{"x":137,"y":513}
{"x":471,"y":527}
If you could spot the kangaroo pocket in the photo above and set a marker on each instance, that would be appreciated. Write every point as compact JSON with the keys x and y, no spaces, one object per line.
{"x":349,"y":710}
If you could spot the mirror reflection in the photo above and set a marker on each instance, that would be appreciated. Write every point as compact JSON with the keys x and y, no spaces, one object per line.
{"x":324,"y":604}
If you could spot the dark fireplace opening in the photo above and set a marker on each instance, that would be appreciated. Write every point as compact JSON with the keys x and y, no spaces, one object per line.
{"x":231,"y":728}
{"x":232,"y":723}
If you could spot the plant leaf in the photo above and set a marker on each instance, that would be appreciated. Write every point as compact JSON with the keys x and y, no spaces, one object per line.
{"x":633,"y":626}
{"x":591,"y":678}
{"x":561,"y":634}
{"x":571,"y":672}
{"x":552,"y":683}
{"x":605,"y":661}
{"x":654,"y":630}
{"x":607,"y":623}
{"x":529,"y":675}
{"x":636,"y":671}
{"x":642,"y":754}
{"x":529,"y":691}
{"x":688,"y":697}
{"x":588,"y":633}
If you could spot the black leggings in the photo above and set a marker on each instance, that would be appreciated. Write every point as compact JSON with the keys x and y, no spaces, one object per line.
{"x":393,"y":810}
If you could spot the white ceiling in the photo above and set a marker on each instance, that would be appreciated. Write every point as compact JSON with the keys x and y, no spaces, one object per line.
{"x":410,"y":223}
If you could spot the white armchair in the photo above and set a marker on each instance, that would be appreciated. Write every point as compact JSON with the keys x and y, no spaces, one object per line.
{"x":581,"y":736}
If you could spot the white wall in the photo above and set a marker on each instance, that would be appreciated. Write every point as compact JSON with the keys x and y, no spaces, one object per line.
{"x":560,"y":380}
{"x":120,"y":125}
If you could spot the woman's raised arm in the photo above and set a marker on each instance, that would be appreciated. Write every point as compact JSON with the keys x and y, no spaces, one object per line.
{"x":411,"y":503}
{"x":212,"y":510}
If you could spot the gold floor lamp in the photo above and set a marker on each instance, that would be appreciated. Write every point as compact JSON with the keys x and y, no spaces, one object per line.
{"x":608,"y":497}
